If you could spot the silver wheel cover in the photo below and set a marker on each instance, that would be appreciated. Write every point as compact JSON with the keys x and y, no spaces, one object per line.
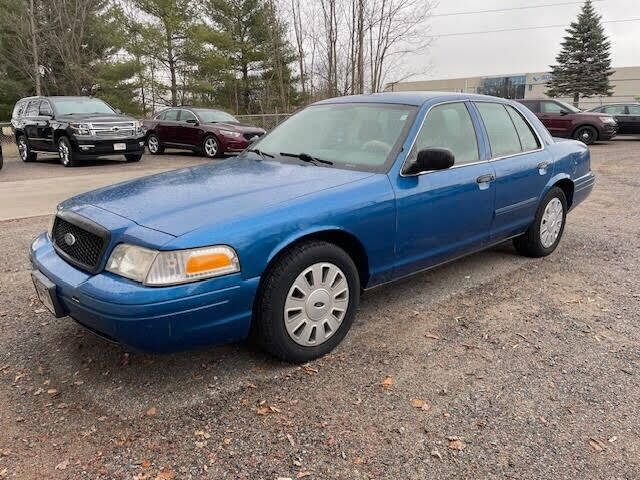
{"x":153,"y":144}
{"x":551,"y":222}
{"x":316,"y":304}
{"x":22,"y":148}
{"x":210,"y":147}
{"x":63,"y":149}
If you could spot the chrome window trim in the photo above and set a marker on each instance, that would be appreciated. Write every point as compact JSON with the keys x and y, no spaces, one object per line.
{"x":464,"y":102}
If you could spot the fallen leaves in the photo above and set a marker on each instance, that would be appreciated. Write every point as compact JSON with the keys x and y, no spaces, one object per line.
{"x":308,"y":369}
{"x":432,"y":336}
{"x":420,"y":404}
{"x":52,"y":391}
{"x":62,"y":465}
{"x":151,"y":412}
{"x":597,"y":445}
{"x":435,"y":453}
{"x":387,"y":383}
{"x":264,"y":409}
{"x":303,"y":474}
{"x":166,"y":475}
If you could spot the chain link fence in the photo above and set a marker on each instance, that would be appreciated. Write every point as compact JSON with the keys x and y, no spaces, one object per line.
{"x":268,"y":121}
{"x":6,"y":140}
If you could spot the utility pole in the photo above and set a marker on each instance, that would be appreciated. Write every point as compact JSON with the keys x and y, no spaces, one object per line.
{"x":34,"y":47}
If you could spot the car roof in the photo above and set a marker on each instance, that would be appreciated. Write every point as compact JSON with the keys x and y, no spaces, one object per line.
{"x":407,"y":98}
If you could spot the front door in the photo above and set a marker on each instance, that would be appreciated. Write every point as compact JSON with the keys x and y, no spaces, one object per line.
{"x":167,"y":128}
{"x":447,"y":213}
{"x":522,"y":168}
{"x":189,"y":132}
{"x":555,"y":117}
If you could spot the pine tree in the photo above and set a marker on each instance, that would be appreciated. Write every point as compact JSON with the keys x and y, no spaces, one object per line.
{"x":584,"y":63}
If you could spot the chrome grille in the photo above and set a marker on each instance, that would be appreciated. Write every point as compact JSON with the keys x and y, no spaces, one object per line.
{"x":113,"y":129}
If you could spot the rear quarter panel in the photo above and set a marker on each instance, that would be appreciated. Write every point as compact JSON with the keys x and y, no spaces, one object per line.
{"x":572,"y":161}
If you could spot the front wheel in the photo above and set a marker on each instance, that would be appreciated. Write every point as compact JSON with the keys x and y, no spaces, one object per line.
{"x":67,"y":156}
{"x":307,"y":302}
{"x":544,"y":234}
{"x":211,"y":147}
{"x":587,"y":135}
{"x":26,"y":155}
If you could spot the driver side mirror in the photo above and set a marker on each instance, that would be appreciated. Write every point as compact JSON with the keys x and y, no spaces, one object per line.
{"x":431,"y":159}
{"x":192,"y":121}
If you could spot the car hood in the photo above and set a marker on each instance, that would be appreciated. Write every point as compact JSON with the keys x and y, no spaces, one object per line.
{"x":181,"y":201}
{"x":95,"y":117}
{"x":238,"y":127}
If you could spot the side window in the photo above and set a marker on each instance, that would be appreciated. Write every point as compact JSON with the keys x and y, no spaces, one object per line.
{"x":18,"y":110}
{"x":551,"y":107}
{"x":615,"y":109}
{"x":634,"y":109}
{"x":533,"y":106}
{"x":159,"y":116}
{"x":528,"y":139}
{"x":45,"y":108}
{"x":503,"y":137}
{"x":171,"y":115}
{"x":449,"y":126}
{"x":186,"y":115}
{"x":33,"y":109}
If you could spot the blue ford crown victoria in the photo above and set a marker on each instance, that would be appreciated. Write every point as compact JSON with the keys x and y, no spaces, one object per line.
{"x":279,"y":242}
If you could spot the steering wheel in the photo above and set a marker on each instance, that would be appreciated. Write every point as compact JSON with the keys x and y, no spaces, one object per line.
{"x":376,"y":146}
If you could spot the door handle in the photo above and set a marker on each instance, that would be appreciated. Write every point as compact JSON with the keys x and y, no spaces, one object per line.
{"x":486,"y":178}
{"x":543,"y":165}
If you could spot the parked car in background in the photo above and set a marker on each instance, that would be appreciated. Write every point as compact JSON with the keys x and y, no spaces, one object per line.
{"x":626,"y":114}
{"x":1,"y":158}
{"x":347,"y":194}
{"x":78,"y":128}
{"x":207,"y":131}
{"x":564,"y":120}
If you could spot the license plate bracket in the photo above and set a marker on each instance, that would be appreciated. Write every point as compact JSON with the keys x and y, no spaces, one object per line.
{"x":46,"y":292}
{"x":119,"y":146}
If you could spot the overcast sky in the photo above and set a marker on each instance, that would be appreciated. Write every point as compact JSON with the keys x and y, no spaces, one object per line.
{"x":516,"y":52}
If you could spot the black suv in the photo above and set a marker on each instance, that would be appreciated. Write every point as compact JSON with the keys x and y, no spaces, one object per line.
{"x":76,"y":127}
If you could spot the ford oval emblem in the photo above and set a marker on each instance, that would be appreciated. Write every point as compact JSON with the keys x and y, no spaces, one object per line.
{"x":69,"y":239}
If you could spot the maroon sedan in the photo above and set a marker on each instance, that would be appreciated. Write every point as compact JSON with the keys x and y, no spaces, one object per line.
{"x":564,"y":120}
{"x":210,"y":132}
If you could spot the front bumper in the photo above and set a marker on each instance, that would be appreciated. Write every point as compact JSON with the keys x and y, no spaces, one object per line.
{"x":88,"y":147}
{"x":608,"y":132}
{"x":149,"y":319}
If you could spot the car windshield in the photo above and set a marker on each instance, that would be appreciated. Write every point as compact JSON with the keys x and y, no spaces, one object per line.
{"x":69,"y":106}
{"x":213,"y":116}
{"x":569,"y":107}
{"x":358,"y":136}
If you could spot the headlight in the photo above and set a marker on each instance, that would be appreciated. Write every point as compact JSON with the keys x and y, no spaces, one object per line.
{"x":160,"y":268}
{"x":230,"y":133}
{"x":610,"y":120}
{"x":139,"y":126}
{"x":81,"y":128}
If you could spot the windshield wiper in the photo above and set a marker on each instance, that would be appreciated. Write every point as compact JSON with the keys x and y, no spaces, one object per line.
{"x":305,"y":157}
{"x":260,"y":152}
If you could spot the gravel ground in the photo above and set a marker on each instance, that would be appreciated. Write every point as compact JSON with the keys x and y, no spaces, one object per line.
{"x":494,"y":366}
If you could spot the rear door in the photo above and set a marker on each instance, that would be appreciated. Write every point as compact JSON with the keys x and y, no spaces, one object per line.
{"x":522,"y":168}
{"x":447,"y":213}
{"x":188,"y":132}
{"x":30,"y":125}
{"x":45,"y":131}
{"x":634,"y":118}
{"x":167,"y":128}
{"x":555,"y":117}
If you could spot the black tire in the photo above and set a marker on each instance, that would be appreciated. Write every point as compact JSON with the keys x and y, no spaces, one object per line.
{"x":586,"y":134}
{"x":24,"y":149}
{"x":530,"y":244}
{"x":211,"y":152}
{"x":269,"y":326}
{"x":68,"y":157}
{"x":133,"y":157}
{"x":151,"y":146}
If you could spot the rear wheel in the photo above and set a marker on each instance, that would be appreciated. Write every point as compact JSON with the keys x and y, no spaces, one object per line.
{"x":25,"y":150}
{"x":67,"y":156}
{"x":154,"y":145}
{"x":307,"y":302}
{"x":133,"y":158}
{"x":544,"y":234}
{"x":211,"y":147}
{"x":587,"y":134}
